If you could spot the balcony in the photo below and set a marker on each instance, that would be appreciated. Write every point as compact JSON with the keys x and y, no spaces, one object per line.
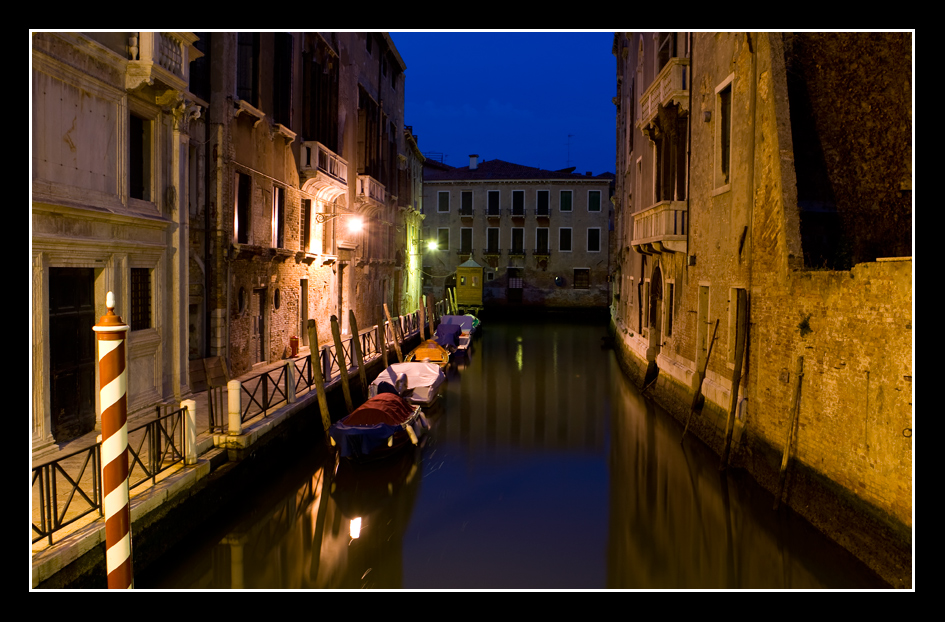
{"x":493,"y":212}
{"x":161,"y":60}
{"x":671,"y":86}
{"x":466,"y":212}
{"x":542,"y":212}
{"x":322,"y":172}
{"x":517,"y":252}
{"x":492,"y":251}
{"x":661,"y":228}
{"x":372,"y":192}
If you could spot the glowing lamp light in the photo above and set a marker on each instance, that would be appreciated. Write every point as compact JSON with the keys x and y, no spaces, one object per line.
{"x":355,"y":529}
{"x":432,"y":245}
{"x":355,"y":225}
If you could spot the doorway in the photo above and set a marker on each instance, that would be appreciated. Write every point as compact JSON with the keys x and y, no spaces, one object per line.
{"x":72,"y":351}
{"x":258,"y":340}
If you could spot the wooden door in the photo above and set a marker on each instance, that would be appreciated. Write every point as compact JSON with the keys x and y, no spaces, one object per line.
{"x":72,"y":351}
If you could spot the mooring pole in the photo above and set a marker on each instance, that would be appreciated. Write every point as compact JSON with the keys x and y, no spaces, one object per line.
{"x":316,"y":366}
{"x":113,"y":394}
{"x":795,"y":406}
{"x":430,"y":314}
{"x":342,"y":363}
{"x":395,"y":333}
{"x":696,"y":406}
{"x":741,"y":330}
{"x":358,"y":355}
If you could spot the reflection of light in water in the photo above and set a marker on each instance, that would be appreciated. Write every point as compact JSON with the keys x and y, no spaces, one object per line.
{"x":518,"y":353}
{"x":355,"y":527}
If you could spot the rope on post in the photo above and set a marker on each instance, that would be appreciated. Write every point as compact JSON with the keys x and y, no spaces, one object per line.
{"x":113,"y":387}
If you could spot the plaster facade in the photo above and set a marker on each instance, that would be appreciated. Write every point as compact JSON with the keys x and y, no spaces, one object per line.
{"x":715,"y":205}
{"x":112,"y":126}
{"x":543,"y":237}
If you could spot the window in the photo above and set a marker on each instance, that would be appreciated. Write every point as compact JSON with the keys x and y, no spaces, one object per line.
{"x":307,"y":225}
{"x":443,"y":201}
{"x":465,"y":240}
{"x":139,"y":164}
{"x":518,"y":202}
{"x":140,"y":298}
{"x":518,"y":241}
{"x":541,"y":240}
{"x":244,"y":186}
{"x":493,"y":206}
{"x":541,"y":203}
{"x":320,"y":96}
{"x":443,"y":239}
{"x":282,"y":78}
{"x":669,"y":310}
{"x":247,"y":67}
{"x":723,"y":151}
{"x":593,"y":200}
{"x":564,"y":239}
{"x":492,"y":240}
{"x":278,"y":217}
{"x":582,"y":278}
{"x":465,"y":205}
{"x":565,"y":203}
{"x":593,"y":240}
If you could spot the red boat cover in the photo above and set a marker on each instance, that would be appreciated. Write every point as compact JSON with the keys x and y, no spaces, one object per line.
{"x":383,"y":408}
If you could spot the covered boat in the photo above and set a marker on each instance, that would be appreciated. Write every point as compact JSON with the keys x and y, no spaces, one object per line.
{"x":417,"y":382}
{"x":468,"y":323}
{"x":381,"y":426}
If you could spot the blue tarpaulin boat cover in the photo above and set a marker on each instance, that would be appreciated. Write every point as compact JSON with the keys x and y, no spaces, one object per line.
{"x":448,"y":334}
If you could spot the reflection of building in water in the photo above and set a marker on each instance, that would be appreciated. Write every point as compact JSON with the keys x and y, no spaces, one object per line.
{"x":304,"y":540}
{"x":676,"y":523}
{"x":529,"y":384}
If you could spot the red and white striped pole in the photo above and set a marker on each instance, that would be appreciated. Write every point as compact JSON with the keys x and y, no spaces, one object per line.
{"x":113,"y":383}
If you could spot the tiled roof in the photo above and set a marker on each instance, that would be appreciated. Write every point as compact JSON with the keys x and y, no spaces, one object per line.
{"x":500,"y":169}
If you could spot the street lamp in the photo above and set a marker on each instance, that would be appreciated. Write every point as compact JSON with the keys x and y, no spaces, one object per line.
{"x":355,"y":225}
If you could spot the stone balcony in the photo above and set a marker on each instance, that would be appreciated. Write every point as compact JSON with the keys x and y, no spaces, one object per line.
{"x":161,"y":60}
{"x":661,"y":228}
{"x":322,"y":172}
{"x":671,"y":86}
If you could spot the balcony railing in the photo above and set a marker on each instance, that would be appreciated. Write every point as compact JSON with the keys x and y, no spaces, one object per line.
{"x":370,"y":188}
{"x":316,"y":156}
{"x":661,"y":228}
{"x":671,"y":85}
{"x":492,"y":250}
{"x":493,"y":212}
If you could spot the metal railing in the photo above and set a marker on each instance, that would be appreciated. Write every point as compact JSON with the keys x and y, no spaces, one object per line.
{"x":69,"y":488}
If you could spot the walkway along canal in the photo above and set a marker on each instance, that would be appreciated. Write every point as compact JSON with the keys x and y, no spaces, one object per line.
{"x":544,"y":468}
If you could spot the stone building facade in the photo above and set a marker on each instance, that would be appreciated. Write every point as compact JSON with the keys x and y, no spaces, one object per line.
{"x":746,"y":189}
{"x":306,"y":138}
{"x":543,"y":237}
{"x":114,"y":132}
{"x":209,"y":180}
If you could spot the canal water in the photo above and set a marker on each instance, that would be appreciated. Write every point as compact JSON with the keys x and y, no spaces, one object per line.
{"x":544,"y":469}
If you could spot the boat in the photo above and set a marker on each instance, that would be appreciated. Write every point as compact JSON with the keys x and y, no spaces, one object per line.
{"x":430,"y":351}
{"x":417,"y":382}
{"x":469,"y":323}
{"x":382,"y":426}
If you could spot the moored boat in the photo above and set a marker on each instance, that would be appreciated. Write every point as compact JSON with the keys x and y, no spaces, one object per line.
{"x":380,"y":427}
{"x":430,"y":352}
{"x":417,"y":382}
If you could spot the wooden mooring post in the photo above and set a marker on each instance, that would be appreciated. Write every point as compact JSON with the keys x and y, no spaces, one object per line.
{"x":396,"y":334}
{"x":697,"y":399}
{"x":358,"y":355}
{"x":342,"y":363}
{"x":430,"y":314}
{"x":316,"y":363}
{"x":741,"y":330}
{"x":795,"y":407}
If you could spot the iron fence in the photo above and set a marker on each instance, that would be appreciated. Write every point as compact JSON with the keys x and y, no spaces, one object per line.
{"x":69,"y":487}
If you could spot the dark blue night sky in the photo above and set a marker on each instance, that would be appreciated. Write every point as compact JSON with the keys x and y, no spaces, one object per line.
{"x":514,"y":96}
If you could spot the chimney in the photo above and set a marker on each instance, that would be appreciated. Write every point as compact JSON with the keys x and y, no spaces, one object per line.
{"x":589,"y":174}
{"x":473,"y":162}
